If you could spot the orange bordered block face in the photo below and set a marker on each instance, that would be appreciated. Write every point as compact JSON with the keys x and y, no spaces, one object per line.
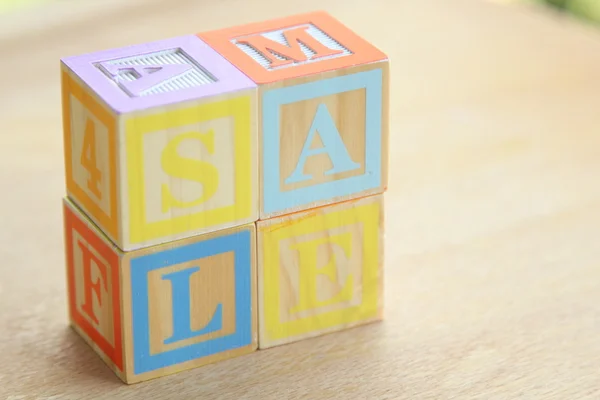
{"x":156,"y":311}
{"x":323,"y":109}
{"x":320,"y":271}
{"x":160,"y":141}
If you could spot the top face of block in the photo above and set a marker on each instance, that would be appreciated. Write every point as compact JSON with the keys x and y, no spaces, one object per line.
{"x":157,"y":74}
{"x":291,"y":47}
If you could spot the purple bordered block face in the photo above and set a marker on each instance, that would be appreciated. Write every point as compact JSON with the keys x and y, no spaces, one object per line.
{"x":160,"y":141}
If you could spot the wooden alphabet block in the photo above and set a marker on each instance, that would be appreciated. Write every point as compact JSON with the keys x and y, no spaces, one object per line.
{"x":323,"y":109}
{"x":165,"y":308}
{"x":160,"y":141}
{"x":320,"y":271}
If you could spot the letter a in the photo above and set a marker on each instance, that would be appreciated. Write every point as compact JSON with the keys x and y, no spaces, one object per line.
{"x":181,"y":299}
{"x":333,"y":146}
{"x":148,"y":76}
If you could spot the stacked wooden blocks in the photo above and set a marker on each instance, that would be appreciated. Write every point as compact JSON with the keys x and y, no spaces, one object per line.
{"x":224,"y":192}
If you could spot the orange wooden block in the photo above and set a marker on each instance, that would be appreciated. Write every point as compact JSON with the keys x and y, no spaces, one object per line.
{"x":323,"y":109}
{"x":333,"y":46}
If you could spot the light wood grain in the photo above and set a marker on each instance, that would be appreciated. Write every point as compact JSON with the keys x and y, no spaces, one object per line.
{"x":493,"y":210}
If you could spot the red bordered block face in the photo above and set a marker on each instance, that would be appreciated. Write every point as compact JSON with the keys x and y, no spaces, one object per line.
{"x":323,"y":109}
{"x":160,"y":141}
{"x":94,"y":289}
{"x":164,"y":309}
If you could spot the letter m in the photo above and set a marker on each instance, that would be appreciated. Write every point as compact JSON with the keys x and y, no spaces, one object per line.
{"x":292,"y":52}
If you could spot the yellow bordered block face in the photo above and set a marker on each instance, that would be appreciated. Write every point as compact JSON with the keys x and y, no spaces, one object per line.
{"x":320,"y":271}
{"x":163,"y":309}
{"x":160,"y":141}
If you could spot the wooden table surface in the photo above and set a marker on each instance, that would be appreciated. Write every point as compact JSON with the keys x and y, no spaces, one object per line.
{"x":493,"y":211}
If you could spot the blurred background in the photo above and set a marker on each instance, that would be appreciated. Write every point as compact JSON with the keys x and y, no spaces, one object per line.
{"x":585,"y":10}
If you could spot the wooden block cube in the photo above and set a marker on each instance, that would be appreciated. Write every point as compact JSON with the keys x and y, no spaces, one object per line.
{"x":166,"y":308}
{"x":320,"y":271}
{"x":323,"y":109}
{"x":160,"y":141}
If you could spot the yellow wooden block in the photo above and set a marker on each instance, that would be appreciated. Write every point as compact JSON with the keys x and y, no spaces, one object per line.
{"x":163,"y":309}
{"x":320,"y":271}
{"x":160,"y":141}
{"x":194,"y":177}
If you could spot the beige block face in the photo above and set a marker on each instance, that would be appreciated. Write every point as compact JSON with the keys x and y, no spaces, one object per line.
{"x":207,"y":147}
{"x":339,"y":247}
{"x":90,"y":155}
{"x":210,"y":285}
{"x":347,"y":112}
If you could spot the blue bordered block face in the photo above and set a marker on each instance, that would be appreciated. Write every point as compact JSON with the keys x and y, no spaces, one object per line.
{"x":324,"y":138}
{"x":189,"y":303}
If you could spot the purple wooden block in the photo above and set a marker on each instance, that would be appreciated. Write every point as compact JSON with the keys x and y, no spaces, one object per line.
{"x":157,"y":74}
